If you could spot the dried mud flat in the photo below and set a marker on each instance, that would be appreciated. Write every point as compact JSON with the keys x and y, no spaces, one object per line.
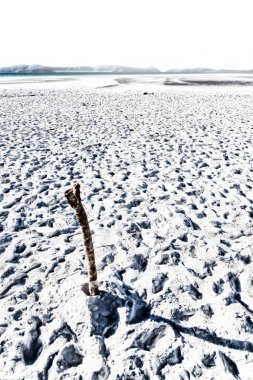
{"x":166,"y":179}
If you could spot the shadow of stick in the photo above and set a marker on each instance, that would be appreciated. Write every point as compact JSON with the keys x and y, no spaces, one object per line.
{"x":206,"y":335}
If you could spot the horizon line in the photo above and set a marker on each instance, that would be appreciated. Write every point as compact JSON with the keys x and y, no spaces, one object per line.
{"x":113,"y":68}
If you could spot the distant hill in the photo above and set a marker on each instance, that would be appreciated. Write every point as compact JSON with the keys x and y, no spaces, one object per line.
{"x":204,"y":70}
{"x":125,"y":69}
{"x":39,"y":69}
{"x":114,"y":69}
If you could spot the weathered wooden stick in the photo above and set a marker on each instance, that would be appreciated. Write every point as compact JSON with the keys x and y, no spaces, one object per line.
{"x":74,"y":199}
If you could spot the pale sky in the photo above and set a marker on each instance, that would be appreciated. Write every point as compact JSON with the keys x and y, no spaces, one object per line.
{"x":163,"y":33}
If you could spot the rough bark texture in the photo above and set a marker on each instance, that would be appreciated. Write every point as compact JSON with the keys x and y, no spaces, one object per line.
{"x":74,"y":199}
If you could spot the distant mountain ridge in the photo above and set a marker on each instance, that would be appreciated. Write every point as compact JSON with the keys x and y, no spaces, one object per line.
{"x":40,"y":69}
{"x":203,"y":70}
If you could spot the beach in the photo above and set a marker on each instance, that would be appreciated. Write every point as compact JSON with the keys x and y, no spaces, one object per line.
{"x":166,"y":179}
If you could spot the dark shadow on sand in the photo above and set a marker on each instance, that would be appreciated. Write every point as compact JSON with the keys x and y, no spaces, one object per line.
{"x":206,"y":335}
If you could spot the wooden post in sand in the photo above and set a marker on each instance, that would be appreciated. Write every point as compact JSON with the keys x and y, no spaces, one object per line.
{"x":74,"y":199}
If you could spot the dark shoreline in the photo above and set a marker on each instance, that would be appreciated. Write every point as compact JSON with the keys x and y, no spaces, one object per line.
{"x":221,"y":82}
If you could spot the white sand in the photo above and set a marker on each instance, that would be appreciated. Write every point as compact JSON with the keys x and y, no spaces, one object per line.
{"x":166,"y":180}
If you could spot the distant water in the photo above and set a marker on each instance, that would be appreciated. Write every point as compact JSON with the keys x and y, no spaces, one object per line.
{"x":96,"y":80}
